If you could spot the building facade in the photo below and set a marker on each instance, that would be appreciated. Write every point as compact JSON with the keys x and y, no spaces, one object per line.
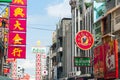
{"x":82,"y":19}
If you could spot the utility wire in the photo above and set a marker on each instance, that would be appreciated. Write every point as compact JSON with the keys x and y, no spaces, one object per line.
{"x":41,"y":29}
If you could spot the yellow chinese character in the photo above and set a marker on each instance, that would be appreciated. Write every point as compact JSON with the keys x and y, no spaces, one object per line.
{"x":16,"y":52}
{"x":17,"y":25}
{"x":19,"y":1}
{"x":17,"y":39}
{"x":18,"y":11}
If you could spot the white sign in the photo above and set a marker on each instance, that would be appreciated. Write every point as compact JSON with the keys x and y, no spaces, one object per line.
{"x":44,"y":72}
{"x":41,"y":50}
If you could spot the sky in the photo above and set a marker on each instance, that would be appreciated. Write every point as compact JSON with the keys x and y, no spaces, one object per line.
{"x":42,"y":17}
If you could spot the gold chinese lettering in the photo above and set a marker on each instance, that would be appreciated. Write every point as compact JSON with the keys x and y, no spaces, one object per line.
{"x":17,"y":39}
{"x":18,"y":11}
{"x":19,"y":2}
{"x":16,"y":52}
{"x":17,"y":25}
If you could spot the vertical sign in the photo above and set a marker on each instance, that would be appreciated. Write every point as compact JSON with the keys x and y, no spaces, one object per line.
{"x":99,"y":62}
{"x":40,"y":61}
{"x":38,"y":66}
{"x":17,"y":34}
{"x":111,"y":59}
{"x":14,"y":70}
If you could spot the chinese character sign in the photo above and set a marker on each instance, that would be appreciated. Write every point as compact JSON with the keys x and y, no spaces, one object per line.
{"x":19,"y":2}
{"x":17,"y":29}
{"x":16,"y":52}
{"x":17,"y":38}
{"x":17,"y":25}
{"x":17,"y":12}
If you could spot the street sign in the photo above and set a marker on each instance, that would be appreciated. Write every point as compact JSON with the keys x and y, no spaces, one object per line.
{"x":81,"y":61}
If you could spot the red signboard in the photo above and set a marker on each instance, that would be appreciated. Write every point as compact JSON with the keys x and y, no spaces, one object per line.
{"x":84,"y":40}
{"x":99,"y":62}
{"x":17,"y":38}
{"x":17,"y":52}
{"x":19,"y":2}
{"x":17,"y":12}
{"x":17,"y":25}
{"x":6,"y":70}
{"x":111,"y":59}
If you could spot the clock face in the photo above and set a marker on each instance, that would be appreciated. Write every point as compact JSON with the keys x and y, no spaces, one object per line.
{"x":84,"y":40}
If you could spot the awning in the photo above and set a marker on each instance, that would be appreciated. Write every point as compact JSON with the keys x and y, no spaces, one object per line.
{"x":4,"y":78}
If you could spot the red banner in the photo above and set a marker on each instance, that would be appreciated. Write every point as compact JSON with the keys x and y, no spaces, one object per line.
{"x":99,"y":62}
{"x":17,"y":12}
{"x":17,"y":38}
{"x":17,"y":25}
{"x":111,"y":59}
{"x":17,"y":52}
{"x":19,"y":2}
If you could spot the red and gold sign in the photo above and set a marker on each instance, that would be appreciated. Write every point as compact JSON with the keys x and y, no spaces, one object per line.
{"x":17,"y":25}
{"x":17,"y":12}
{"x":111,"y":59}
{"x":17,"y":29}
{"x":84,"y":40}
{"x":99,"y":62}
{"x":19,"y":2}
{"x":17,"y":38}
{"x":16,"y":52}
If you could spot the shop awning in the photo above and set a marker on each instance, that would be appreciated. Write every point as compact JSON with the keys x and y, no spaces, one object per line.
{"x":4,"y":78}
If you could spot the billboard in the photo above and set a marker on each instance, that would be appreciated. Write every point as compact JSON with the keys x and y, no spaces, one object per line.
{"x":99,"y":62}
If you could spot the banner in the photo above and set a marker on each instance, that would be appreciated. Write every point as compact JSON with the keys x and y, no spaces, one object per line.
{"x":111,"y":59}
{"x":99,"y":62}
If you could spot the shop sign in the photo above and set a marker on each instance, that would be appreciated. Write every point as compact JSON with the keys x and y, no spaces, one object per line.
{"x":84,"y":40}
{"x":82,"y":61}
{"x":111,"y":59}
{"x":99,"y":62}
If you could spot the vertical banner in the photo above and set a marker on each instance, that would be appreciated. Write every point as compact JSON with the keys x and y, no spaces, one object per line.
{"x":17,"y":29}
{"x":38,"y":66}
{"x":99,"y":62}
{"x":111,"y":59}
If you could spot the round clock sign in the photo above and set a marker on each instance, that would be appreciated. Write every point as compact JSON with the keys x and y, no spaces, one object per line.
{"x":84,"y":40}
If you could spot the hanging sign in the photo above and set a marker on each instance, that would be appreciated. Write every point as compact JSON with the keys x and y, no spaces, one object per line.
{"x":84,"y":40}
